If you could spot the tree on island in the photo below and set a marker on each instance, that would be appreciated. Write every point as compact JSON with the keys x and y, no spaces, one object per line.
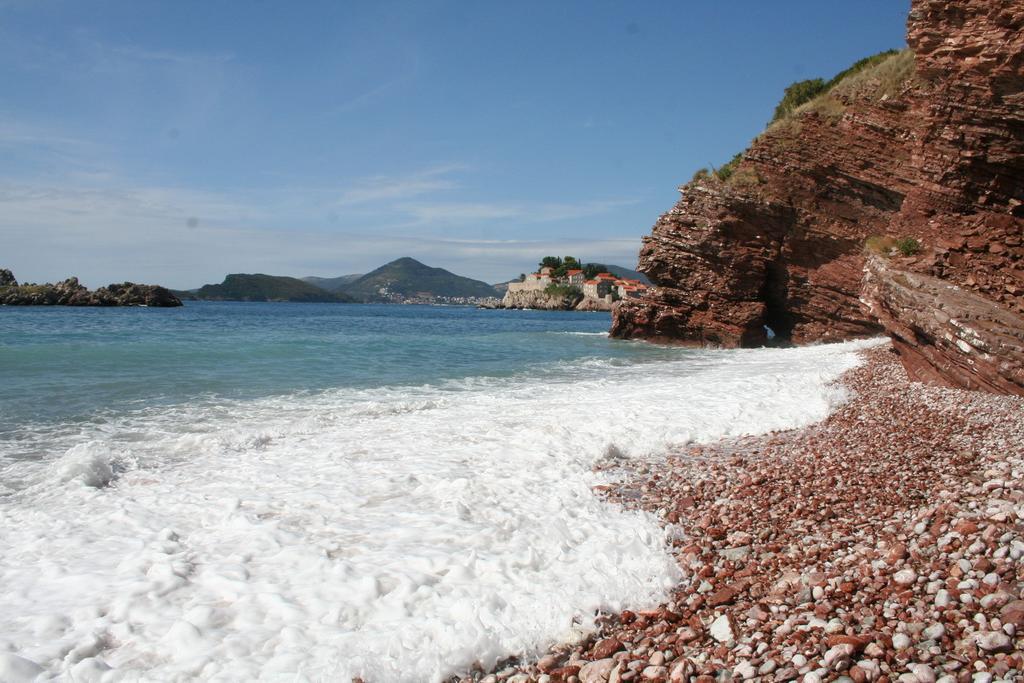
{"x":560,"y":265}
{"x":550,"y":262}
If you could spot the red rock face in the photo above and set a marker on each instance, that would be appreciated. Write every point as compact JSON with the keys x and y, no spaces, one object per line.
{"x":966,"y":202}
{"x":929,"y":146}
{"x":947,"y":335}
{"x":968,"y":149}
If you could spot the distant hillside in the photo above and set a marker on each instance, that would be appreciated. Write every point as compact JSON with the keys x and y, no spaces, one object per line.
{"x":332,"y":284}
{"x":628,"y":274}
{"x":407,"y":277}
{"x":502,"y":287}
{"x":259,"y":287}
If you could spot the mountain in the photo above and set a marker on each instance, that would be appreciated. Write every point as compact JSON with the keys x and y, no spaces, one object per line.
{"x":408,"y":278}
{"x":502,"y":287}
{"x":259,"y":287}
{"x":332,"y":284}
{"x":627,"y":274}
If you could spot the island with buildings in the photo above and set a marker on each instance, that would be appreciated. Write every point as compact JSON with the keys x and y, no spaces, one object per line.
{"x":567,"y":284}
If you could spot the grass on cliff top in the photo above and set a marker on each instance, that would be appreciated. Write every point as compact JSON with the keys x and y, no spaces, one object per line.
{"x":730,"y":174}
{"x":876,"y":77}
{"x":802,"y":92}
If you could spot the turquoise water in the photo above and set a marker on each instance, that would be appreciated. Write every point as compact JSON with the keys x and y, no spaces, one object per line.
{"x":233,"y":491}
{"x":73,"y":363}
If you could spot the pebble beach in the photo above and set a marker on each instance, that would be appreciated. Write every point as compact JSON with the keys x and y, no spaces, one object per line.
{"x":882,"y":544}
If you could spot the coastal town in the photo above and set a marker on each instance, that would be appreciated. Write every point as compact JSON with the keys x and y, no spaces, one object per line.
{"x":605,"y":287}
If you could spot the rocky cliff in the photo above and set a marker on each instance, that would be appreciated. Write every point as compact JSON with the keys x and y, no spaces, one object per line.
{"x":71,"y":293}
{"x":923,"y":146}
{"x":541,"y":300}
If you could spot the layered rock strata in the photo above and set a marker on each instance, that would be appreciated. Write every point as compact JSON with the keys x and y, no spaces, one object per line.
{"x":946,"y":334}
{"x":928,"y":145}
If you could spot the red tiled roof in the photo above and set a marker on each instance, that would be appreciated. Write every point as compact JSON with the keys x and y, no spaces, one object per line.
{"x":573,"y":272}
{"x":590,"y":282}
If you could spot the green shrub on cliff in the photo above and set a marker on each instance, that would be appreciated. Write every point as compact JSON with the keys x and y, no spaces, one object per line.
{"x":563,"y":290}
{"x":908,"y":246}
{"x":797,"y":94}
{"x":885,"y":245}
{"x":726,"y":171}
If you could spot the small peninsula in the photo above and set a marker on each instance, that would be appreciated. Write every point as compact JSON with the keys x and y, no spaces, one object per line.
{"x":71,"y":293}
{"x":260,"y":287}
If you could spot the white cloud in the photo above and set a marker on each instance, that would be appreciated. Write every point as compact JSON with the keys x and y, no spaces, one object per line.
{"x":380,"y":188}
{"x":100,"y":228}
{"x":16,"y":134}
{"x":136,"y":53}
{"x":523,"y":212}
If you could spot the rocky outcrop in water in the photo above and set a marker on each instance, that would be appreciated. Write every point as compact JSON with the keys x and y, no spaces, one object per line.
{"x":544,"y":301}
{"x":71,"y":293}
{"x":592,"y":304}
{"x":924,"y":146}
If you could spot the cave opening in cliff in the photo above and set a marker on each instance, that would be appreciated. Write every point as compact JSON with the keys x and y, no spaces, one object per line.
{"x":775,"y":294}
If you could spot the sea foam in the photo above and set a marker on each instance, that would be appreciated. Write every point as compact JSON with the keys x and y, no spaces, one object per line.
{"x":396,"y":534}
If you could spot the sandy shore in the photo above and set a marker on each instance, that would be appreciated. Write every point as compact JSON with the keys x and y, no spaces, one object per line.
{"x":883,"y":544}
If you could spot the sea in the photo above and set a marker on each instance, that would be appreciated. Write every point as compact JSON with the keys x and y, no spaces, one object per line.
{"x":317,"y":492}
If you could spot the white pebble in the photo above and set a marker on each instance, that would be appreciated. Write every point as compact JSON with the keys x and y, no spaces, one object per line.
{"x":905,"y":577}
{"x":923,"y":672}
{"x":901,"y":641}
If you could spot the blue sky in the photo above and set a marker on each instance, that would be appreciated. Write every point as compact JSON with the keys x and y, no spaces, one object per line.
{"x":174,"y":142}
